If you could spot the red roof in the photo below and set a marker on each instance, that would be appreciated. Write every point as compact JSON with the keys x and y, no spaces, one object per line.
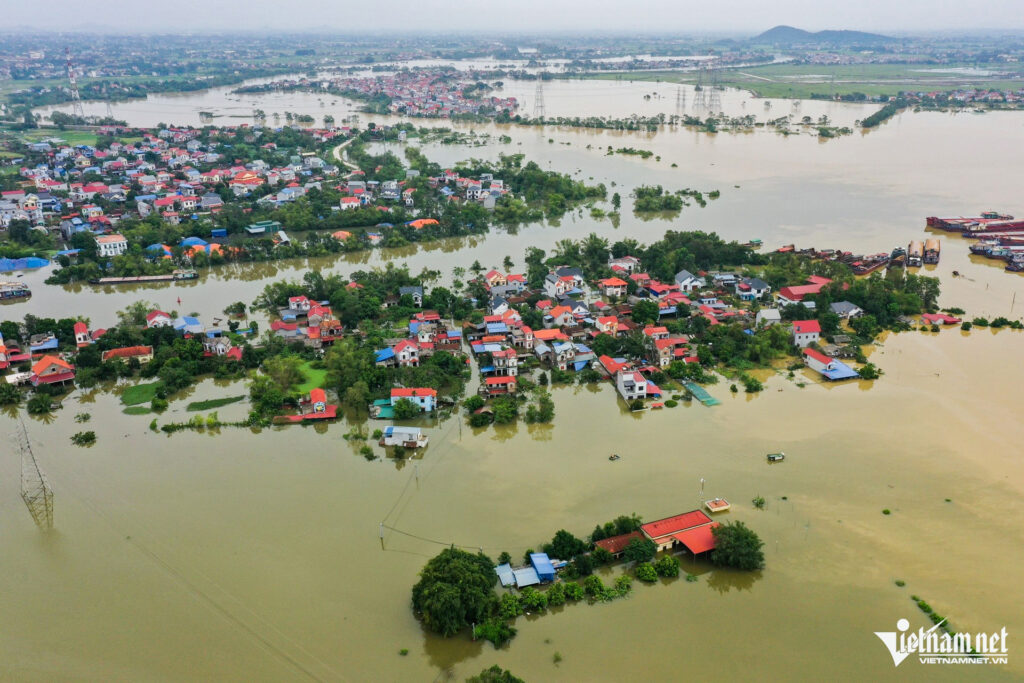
{"x":806,"y":326}
{"x":492,"y":381}
{"x":80,"y":327}
{"x":127,"y":352}
{"x":153,"y":315}
{"x":698,"y":540}
{"x":412,"y":392}
{"x":46,"y":361}
{"x":318,"y":396}
{"x":676,"y":524}
{"x":818,"y":356}
{"x":616,"y":544}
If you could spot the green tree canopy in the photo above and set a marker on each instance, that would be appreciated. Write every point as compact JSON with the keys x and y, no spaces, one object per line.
{"x":455,"y":590}
{"x":738,"y":546}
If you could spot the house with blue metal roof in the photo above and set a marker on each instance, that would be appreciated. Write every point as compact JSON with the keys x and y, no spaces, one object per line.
{"x":542,"y":565}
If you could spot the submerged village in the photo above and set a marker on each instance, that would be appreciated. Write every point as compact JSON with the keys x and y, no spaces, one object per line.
{"x":689,"y":317}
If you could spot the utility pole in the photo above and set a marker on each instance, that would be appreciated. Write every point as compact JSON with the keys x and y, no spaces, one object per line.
{"x":35,"y":489}
{"x":76,"y":99}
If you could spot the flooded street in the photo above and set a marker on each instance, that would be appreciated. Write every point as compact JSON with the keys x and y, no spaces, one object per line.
{"x":242,"y":556}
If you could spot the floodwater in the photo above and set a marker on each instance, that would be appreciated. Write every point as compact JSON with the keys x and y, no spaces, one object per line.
{"x":242,"y":556}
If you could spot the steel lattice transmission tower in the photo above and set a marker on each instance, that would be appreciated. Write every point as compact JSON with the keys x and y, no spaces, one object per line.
{"x":680,"y":97}
{"x":538,"y":99}
{"x":35,"y":489}
{"x":76,"y":99}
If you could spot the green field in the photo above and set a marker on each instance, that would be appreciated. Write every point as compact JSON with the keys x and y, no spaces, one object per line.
{"x":213,"y":403}
{"x":803,"y":80}
{"x":315,"y":378}
{"x":136,"y":410}
{"x":139,"y":393}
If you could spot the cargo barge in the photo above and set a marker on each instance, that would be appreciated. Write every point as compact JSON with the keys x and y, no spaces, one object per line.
{"x":988,"y":222}
{"x":176,"y":276}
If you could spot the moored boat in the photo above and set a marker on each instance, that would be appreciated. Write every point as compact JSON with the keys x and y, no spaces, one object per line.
{"x":14,"y":291}
{"x":776,"y":457}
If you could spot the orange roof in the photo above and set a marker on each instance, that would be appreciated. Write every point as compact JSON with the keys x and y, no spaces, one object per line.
{"x":548,"y":335}
{"x":127,"y":352}
{"x":613,"y":282}
{"x":412,"y":392}
{"x":559,"y":310}
{"x":47,"y":361}
{"x":676,"y":524}
{"x":317,"y":396}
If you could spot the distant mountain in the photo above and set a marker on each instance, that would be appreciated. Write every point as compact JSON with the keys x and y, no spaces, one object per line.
{"x":787,"y":35}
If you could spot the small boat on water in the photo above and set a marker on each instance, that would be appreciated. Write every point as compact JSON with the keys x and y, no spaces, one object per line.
{"x":613,"y":457}
{"x":776,"y":457}
{"x":717,"y":505}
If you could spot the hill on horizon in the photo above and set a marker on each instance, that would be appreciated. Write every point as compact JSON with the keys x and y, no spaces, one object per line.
{"x":790,"y":35}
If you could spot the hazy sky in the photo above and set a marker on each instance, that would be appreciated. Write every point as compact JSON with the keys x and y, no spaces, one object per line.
{"x":686,"y":16}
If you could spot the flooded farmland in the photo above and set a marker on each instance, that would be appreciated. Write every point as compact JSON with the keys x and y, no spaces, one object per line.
{"x":257,"y":556}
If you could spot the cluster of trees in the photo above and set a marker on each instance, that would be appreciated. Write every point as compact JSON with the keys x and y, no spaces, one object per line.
{"x":890,"y":109}
{"x":648,"y":198}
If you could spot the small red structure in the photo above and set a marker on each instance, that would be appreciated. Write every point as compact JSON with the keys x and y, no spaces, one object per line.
{"x":315,"y":407}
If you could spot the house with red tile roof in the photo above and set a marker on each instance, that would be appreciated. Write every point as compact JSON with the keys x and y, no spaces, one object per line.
{"x":616,"y":545}
{"x":157,"y":318}
{"x":612,"y":286}
{"x":52,"y":370}
{"x":806,"y":332}
{"x":424,"y":398}
{"x":82,"y":338}
{"x":143,"y":354}
{"x":496,"y":386}
{"x":671,"y":531}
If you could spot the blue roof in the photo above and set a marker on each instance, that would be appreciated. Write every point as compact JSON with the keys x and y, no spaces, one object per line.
{"x":455,"y":334}
{"x":486,"y":348}
{"x":505,"y":575}
{"x":581,"y":348}
{"x":580,"y":364}
{"x":841,"y":371}
{"x":495,"y":328}
{"x":193,"y":241}
{"x":527,"y":576}
{"x":487,"y":368}
{"x":68,"y":252}
{"x":384,"y":354}
{"x":668,"y":310}
{"x":7,"y":264}
{"x":542,"y":564}
{"x":47,"y":345}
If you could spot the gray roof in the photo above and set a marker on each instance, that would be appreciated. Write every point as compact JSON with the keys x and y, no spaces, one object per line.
{"x":843,"y":307}
{"x":755,"y":283}
{"x":410,"y":290}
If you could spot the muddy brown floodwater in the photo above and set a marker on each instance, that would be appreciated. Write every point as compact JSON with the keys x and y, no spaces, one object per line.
{"x":245,"y":556}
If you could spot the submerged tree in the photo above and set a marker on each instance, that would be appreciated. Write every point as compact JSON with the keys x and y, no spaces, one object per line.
{"x":455,"y":590}
{"x":737,"y":546}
